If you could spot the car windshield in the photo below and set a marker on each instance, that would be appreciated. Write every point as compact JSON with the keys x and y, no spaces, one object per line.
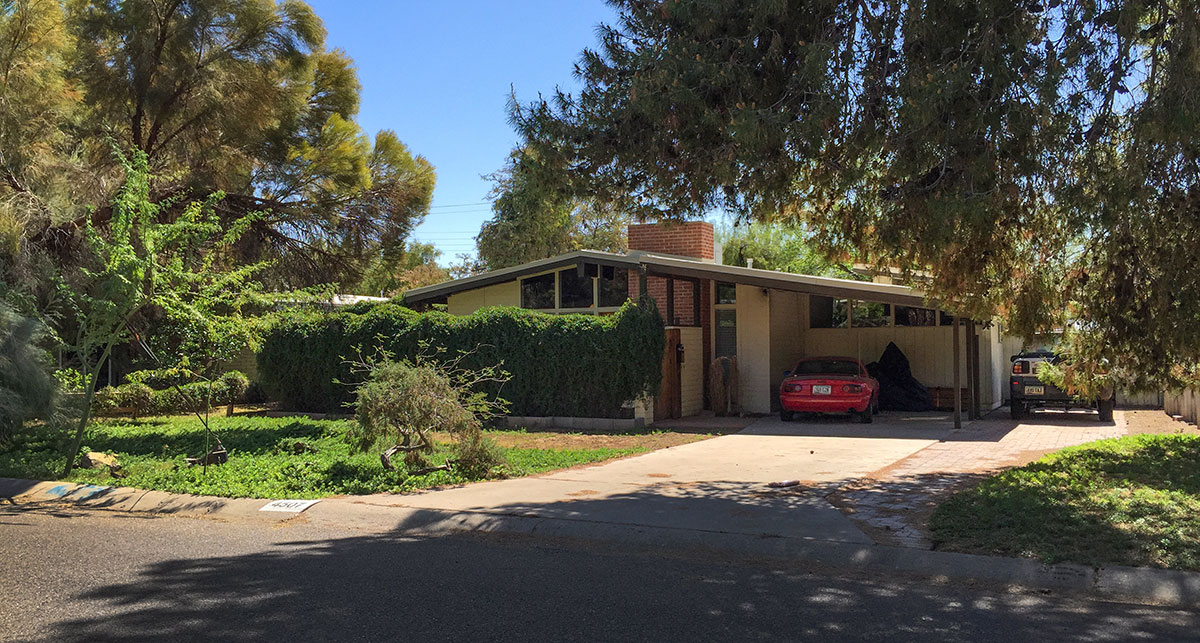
{"x":826,"y":367}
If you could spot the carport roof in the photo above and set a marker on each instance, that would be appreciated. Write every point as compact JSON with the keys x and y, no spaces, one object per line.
{"x":672,"y":266}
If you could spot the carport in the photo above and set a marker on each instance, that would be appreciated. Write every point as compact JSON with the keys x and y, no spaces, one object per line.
{"x":777,"y":318}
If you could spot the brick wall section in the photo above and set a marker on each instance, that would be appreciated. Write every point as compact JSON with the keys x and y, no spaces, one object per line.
{"x":691,"y":239}
{"x":688,"y":239}
{"x":657,"y":287}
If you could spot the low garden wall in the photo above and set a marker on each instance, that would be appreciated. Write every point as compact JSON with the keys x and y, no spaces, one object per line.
{"x":559,"y":365}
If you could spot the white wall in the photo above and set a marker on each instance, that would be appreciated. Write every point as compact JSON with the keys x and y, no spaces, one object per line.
{"x":468,"y":301}
{"x":754,"y":349}
{"x":994,"y":363}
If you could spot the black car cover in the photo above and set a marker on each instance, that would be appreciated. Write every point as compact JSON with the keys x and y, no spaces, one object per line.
{"x":898,"y":389}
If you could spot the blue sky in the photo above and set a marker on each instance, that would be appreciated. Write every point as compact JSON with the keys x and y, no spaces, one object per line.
{"x":439,"y":74}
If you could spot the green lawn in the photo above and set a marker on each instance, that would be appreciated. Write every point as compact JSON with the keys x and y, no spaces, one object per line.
{"x":263,"y":459}
{"x":1129,"y":501}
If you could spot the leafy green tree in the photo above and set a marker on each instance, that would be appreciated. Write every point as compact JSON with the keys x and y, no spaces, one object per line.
{"x":172,"y":269}
{"x":536,"y":217}
{"x":390,"y":275}
{"x":1036,"y":159}
{"x":35,"y":100}
{"x":238,"y":96}
{"x":36,"y":168}
{"x":776,"y":247}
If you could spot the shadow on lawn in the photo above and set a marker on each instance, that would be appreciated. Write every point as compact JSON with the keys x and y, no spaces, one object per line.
{"x":1111,"y":509}
{"x":153,"y":439}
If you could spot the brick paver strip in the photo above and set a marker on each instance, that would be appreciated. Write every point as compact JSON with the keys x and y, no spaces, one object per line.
{"x":893,"y":505}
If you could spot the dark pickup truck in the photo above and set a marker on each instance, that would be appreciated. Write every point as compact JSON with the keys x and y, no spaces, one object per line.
{"x":1027,"y":392}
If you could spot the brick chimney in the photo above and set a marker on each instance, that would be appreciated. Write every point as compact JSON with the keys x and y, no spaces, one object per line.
{"x":687,"y":239}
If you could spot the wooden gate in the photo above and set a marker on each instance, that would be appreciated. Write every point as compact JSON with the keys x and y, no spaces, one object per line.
{"x":667,"y":405}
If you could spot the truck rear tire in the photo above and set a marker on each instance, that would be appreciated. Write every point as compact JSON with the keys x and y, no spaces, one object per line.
{"x":1016,"y":410}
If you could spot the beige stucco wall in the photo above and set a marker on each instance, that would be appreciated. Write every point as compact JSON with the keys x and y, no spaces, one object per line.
{"x":469,"y":301}
{"x":754,"y":349}
{"x":928,"y":348}
{"x":691,"y":373}
{"x":787,"y":335}
{"x":246,"y":362}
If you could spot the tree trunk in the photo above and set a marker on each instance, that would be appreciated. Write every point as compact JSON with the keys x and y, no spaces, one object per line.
{"x":84,"y":417}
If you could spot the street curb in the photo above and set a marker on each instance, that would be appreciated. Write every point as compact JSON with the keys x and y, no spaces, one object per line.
{"x":1135,"y":584}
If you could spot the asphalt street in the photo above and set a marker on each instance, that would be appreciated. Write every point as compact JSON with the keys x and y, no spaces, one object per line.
{"x":74,"y":575}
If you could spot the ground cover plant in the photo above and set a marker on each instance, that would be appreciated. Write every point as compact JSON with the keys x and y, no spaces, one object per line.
{"x":1129,"y":501}
{"x":292,"y":457}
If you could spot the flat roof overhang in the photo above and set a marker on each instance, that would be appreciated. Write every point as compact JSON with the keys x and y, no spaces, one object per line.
{"x":493,"y":277}
{"x":668,"y":266}
{"x":660,"y":266}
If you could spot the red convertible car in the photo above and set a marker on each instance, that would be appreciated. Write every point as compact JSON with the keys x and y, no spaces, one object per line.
{"x":829,"y":385}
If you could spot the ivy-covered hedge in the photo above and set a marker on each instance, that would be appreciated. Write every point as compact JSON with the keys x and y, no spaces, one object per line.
{"x":569,"y":365}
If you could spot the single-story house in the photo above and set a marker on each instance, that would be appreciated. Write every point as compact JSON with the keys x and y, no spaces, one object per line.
{"x":767,"y":319}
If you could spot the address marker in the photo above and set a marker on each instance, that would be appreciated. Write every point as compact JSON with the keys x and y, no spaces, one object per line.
{"x":290,"y":506}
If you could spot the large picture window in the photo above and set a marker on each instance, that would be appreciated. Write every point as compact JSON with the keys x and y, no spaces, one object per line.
{"x":614,"y":287}
{"x":538,"y":292}
{"x":575,"y":289}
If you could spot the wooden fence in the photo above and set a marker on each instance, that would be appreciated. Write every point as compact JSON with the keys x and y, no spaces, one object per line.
{"x":1185,"y":404}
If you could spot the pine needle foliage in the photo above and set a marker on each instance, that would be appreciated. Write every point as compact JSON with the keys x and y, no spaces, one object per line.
{"x":1037,"y":159}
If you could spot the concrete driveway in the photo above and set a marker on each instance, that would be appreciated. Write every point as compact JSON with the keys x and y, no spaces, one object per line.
{"x":714,"y":485}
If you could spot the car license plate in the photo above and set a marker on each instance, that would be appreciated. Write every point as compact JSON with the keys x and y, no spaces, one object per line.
{"x":1035,"y":390}
{"x":822,"y":389}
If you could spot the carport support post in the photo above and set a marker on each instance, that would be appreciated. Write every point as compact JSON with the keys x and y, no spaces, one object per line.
{"x":957,"y":375}
{"x":976,"y":408}
{"x":970,"y":328}
{"x":671,"y":302}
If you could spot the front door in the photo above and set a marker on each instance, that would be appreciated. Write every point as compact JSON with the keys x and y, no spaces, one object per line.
{"x":668,"y":403}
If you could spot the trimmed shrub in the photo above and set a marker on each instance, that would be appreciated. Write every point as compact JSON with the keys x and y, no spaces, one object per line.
{"x":401,"y":404}
{"x":137,"y":396}
{"x":569,"y":365}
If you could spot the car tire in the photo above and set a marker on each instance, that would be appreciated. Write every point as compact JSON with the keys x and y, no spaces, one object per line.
{"x":1016,"y":410}
{"x":866,"y":417}
{"x":1105,"y":408}
{"x":786,"y":416}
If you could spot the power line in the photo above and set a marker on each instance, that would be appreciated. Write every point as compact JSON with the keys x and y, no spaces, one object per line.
{"x":460,"y":205}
